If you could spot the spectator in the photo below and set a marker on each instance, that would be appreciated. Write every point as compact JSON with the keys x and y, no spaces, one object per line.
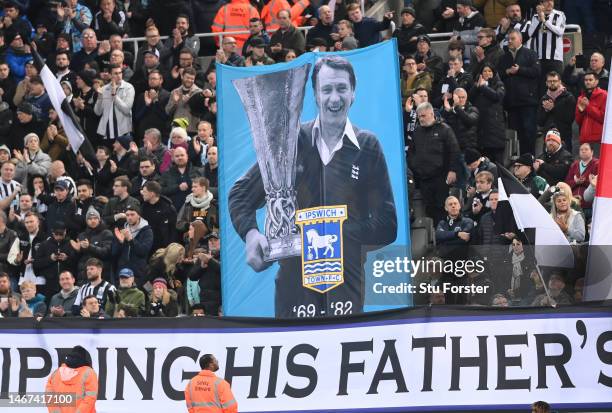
{"x":29,"y":241}
{"x":540,"y":407}
{"x":57,"y":173}
{"x":37,"y":186}
{"x":211,"y":169}
{"x":140,"y":80}
{"x":227,"y":54}
{"x":427,"y":60}
{"x":182,"y":38}
{"x":147,"y":173}
{"x":558,"y":295}
{"x":519,"y":69}
{"x":486,"y":53}
{"x":61,"y":207}
{"x":235,"y":16}
{"x":124,"y":160}
{"x":546,"y":39}
{"x":9,"y":299}
{"x":590,"y":110}
{"x":117,"y":58}
{"x":62,"y":68}
{"x":34,"y":302}
{"x":95,"y":286}
{"x":344,"y":31}
{"x":208,"y":276}
{"x":512,"y":20}
{"x":258,"y":54}
{"x":92,"y":308}
{"x":95,"y":242}
{"x":419,"y":96}
{"x":54,"y":141}
{"x":109,"y":20}
{"x":114,"y":211}
{"x":9,"y":188}
{"x":38,"y":98}
{"x":454,"y":232}
{"x":53,"y":256}
{"x":434,"y":160}
{"x":128,"y":294}
{"x":456,"y":77}
{"x":197,"y":310}
{"x":468,"y":24}
{"x":84,"y":103}
{"x":557,"y":109}
{"x":524,"y":171}
{"x":23,"y":86}
{"x":32,"y":160}
{"x":487,"y":95}
{"x":133,"y":243}
{"x":73,"y":19}
{"x":17,"y":54}
{"x":445,"y":16}
{"x":9,"y":243}
{"x":7,"y":84}
{"x":286,"y":37}
{"x":15,"y":20}
{"x":573,"y":77}
{"x":413,"y":79}
{"x":162,"y":302}
{"x":176,"y":182}
{"x":516,"y":279}
{"x":61,"y":303}
{"x":477,"y":163}
{"x":324,"y":27}
{"x":578,"y":175}
{"x":198,"y":205}
{"x":367,"y":29}
{"x":477,"y":203}
{"x":463,"y":117}
{"x":547,"y":201}
{"x":494,"y":10}
{"x":408,"y":32}
{"x":160,"y":213}
{"x":114,"y":105}
{"x":200,"y":143}
{"x":154,"y":43}
{"x":150,"y":115}
{"x":102,"y":175}
{"x":84,"y":200}
{"x":456,"y":48}
{"x":178,"y":103}
{"x":570,"y":221}
{"x":554,"y":163}
{"x":17,"y":216}
{"x":256,"y":31}
{"x":88,"y":52}
{"x":24,"y":123}
{"x":500,"y":300}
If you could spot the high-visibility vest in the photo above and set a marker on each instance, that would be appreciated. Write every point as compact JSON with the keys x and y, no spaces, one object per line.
{"x":207,"y":393}
{"x":234,"y":17}
{"x":270,"y":11}
{"x":84,"y":386}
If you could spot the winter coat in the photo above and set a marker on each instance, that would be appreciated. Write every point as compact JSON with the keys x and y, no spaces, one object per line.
{"x":522,"y":87}
{"x":173,"y":178}
{"x":209,"y":280}
{"x":190,"y":213}
{"x":578,"y":189}
{"x":449,"y":243}
{"x":561,"y":116}
{"x":115,"y":206}
{"x":159,"y":309}
{"x":464,"y":121}
{"x":367,"y":31}
{"x":591,"y":120}
{"x":100,"y":244}
{"x":134,"y":254}
{"x":152,"y":116}
{"x":492,"y":55}
{"x":131,"y":297}
{"x":56,"y":148}
{"x":436,"y":151}
{"x":45,"y":267}
{"x":39,"y":165}
{"x":59,"y":300}
{"x":162,"y":220}
{"x":555,"y":166}
{"x":404,"y":35}
{"x":494,"y":10}
{"x":61,"y":212}
{"x":491,"y":123}
{"x":289,"y":39}
{"x":122,"y":102}
{"x":80,"y":381}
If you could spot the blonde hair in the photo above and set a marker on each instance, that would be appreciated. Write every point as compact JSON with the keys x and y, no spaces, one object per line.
{"x":566,"y":191}
{"x":27,"y":284}
{"x":171,"y":255}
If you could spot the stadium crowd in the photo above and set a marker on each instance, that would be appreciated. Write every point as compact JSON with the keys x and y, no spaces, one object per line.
{"x":133,"y":230}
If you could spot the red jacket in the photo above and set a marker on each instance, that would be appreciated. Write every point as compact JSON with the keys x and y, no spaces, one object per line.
{"x":592,"y":119}
{"x":579,"y":188}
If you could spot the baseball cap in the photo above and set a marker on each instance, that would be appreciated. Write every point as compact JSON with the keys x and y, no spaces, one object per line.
{"x":126,"y":273}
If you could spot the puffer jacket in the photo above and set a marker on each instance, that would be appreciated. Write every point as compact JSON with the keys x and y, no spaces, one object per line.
{"x":435,"y":151}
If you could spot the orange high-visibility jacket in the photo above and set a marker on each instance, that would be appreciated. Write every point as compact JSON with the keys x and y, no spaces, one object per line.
{"x":207,"y":393}
{"x":234,"y":17}
{"x":82,"y":381}
{"x":270,"y":11}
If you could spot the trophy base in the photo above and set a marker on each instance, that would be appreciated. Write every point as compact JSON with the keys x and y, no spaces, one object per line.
{"x":289,"y":246}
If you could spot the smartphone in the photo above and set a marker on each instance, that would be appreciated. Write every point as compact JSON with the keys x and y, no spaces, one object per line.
{"x":444,"y":88}
{"x":581,"y":62}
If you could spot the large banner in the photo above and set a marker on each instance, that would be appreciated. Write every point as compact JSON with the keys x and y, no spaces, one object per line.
{"x":311,"y":184}
{"x":429,"y":359}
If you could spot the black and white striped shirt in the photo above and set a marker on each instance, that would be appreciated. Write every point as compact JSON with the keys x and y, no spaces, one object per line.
{"x":546,"y":38}
{"x":522,"y":26}
{"x":101,"y":291}
{"x":7,"y":188}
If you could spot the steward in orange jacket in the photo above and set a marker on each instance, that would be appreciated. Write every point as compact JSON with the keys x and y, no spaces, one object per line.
{"x":270,"y":11}
{"x":207,"y":393}
{"x":234,"y":17}
{"x":75,"y":376}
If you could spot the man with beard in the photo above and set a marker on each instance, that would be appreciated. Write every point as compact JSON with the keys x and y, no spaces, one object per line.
{"x":182,"y":38}
{"x":53,"y":256}
{"x":557,"y":109}
{"x":29,"y":242}
{"x":158,"y":210}
{"x":95,"y":242}
{"x":84,"y":200}
{"x":9,"y":300}
{"x":178,"y":103}
{"x":256,"y":31}
{"x":114,"y":211}
{"x":512,"y":20}
{"x":590,"y":111}
{"x":150,"y":105}
{"x":63,"y":72}
{"x":132,"y":244}
{"x":96,"y":286}
{"x":84,"y":102}
{"x":148,"y":173}
{"x":554,"y":163}
{"x":141,"y":75}
{"x":211,"y":169}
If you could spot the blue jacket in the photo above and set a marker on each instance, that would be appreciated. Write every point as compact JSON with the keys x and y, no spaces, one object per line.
{"x":367,"y":31}
{"x":17,"y":61}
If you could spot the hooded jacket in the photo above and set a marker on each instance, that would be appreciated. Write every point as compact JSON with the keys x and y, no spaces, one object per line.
{"x":100,"y":245}
{"x":162,"y":220}
{"x":489,"y":100}
{"x":592,"y":118}
{"x":81,"y":380}
{"x":134,"y":254}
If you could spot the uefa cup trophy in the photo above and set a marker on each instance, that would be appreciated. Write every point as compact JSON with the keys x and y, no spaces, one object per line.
{"x":273,"y":103}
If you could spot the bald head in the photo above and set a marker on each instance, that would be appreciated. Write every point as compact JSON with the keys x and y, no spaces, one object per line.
{"x":325,"y":15}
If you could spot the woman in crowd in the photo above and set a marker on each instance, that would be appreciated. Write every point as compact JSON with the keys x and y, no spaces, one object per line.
{"x":54,"y":142}
{"x":162,"y":301}
{"x":570,"y":221}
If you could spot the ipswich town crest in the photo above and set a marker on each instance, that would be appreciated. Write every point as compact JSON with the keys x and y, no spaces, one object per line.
{"x":322,"y":259}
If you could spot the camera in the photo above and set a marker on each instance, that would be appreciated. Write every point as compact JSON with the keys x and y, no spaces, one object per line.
{"x":554,"y":189}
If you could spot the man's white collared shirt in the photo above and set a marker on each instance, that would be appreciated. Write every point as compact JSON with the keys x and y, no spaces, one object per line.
{"x":324,"y":152}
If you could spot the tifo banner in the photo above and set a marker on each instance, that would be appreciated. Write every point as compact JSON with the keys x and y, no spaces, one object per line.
{"x":429,"y":359}
{"x":311,"y":183}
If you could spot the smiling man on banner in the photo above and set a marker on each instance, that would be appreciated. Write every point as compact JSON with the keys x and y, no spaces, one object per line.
{"x":345,"y":203}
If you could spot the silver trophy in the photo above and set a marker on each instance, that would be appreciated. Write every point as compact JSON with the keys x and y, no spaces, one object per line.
{"x":273,"y":103}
